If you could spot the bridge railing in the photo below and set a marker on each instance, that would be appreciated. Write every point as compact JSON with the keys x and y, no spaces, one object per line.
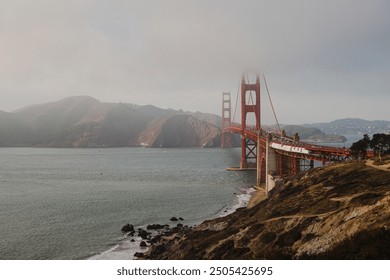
{"x":253,"y":133}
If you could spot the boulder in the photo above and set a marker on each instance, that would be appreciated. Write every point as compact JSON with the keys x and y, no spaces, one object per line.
{"x":128,"y":228}
{"x":143,"y":234}
{"x":139,"y":255}
{"x":173,"y":219}
{"x":155,"y":239}
{"x":143,"y":244}
{"x":159,"y":249}
{"x":156,"y":226}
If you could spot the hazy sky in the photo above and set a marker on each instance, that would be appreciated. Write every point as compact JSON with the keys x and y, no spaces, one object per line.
{"x":322,"y":59}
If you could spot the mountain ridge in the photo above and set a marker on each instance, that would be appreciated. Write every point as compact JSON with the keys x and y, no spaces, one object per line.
{"x":352,"y":126}
{"x":83,"y":121}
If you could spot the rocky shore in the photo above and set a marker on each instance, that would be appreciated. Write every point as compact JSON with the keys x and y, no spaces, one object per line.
{"x":154,"y":234}
{"x":338,"y":212}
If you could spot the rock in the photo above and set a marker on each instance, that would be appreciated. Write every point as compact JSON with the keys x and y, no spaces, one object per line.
{"x":139,"y":255}
{"x":132,"y":240}
{"x":156,"y":226}
{"x":159,"y":249}
{"x":179,"y":225}
{"x":181,"y":219}
{"x":321,"y":223}
{"x":128,"y":228}
{"x":143,"y":234}
{"x":155,"y":239}
{"x":173,"y":219}
{"x":143,"y":244}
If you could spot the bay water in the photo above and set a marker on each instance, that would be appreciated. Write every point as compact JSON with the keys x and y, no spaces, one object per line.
{"x":71,"y":203}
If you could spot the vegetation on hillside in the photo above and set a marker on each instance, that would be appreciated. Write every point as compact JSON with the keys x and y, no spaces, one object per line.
{"x":336,"y":212}
{"x":83,"y":121}
{"x":379,"y":143}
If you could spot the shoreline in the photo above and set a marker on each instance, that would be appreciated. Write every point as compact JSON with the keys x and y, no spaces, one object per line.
{"x":257,"y":196}
{"x":250,"y":197}
{"x":126,"y":249}
{"x":341,"y":217}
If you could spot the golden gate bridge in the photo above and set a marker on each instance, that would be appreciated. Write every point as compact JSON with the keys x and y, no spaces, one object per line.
{"x":273,"y":154}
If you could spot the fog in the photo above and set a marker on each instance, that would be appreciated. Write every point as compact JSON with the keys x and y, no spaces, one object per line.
{"x":323,"y":60}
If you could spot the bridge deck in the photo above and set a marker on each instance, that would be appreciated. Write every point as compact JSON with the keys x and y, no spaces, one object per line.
{"x":289,"y":147}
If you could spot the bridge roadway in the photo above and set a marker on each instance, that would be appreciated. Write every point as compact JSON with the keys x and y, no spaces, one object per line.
{"x":289,"y":147}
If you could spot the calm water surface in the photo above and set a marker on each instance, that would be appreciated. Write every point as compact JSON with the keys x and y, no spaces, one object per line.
{"x":71,"y":203}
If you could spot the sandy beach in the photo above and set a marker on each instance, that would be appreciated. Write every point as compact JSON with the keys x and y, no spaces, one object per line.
{"x":257,"y":196}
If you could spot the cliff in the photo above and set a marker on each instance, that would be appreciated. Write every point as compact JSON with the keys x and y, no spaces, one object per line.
{"x":179,"y":131}
{"x":338,"y":212}
{"x":83,"y":121}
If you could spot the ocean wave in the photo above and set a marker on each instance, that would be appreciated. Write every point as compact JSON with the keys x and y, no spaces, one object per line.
{"x":125,"y":250}
{"x":241,"y":200}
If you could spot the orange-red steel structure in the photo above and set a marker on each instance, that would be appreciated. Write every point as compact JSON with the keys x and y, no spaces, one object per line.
{"x":227,"y":137}
{"x":293,"y":154}
{"x":248,"y":106}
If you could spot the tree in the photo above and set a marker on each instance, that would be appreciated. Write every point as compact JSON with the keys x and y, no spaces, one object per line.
{"x":359,"y":148}
{"x":381,"y":143}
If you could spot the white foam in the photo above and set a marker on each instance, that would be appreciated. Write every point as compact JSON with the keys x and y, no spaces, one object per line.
{"x":125,"y":250}
{"x":241,"y":200}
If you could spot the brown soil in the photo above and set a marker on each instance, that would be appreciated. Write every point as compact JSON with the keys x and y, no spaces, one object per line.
{"x":382,"y":163}
{"x":258,"y":196}
{"x":338,"y":212}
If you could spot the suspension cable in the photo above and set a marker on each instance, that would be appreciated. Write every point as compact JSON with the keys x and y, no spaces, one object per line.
{"x":272,"y":105}
{"x":235,"y":107}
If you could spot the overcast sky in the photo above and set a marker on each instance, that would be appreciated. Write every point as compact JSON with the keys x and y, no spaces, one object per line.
{"x":323,"y":60}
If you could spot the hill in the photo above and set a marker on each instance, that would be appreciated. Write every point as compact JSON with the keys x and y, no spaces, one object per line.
{"x":338,"y":212}
{"x":179,"y":131}
{"x":83,"y":121}
{"x":353,"y":126}
{"x":312,"y":134}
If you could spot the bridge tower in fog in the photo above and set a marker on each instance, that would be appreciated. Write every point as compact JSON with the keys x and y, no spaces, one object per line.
{"x":227,"y":137}
{"x":274,"y":155}
{"x":250,"y":105}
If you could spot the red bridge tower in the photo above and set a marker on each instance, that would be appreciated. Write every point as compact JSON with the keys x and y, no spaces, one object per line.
{"x":227,"y":137}
{"x":249,"y":106}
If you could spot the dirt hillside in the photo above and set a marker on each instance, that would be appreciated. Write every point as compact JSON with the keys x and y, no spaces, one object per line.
{"x":338,"y":212}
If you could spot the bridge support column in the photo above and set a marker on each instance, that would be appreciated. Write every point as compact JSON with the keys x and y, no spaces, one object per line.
{"x":258,"y":177}
{"x":261,"y":162}
{"x":271,"y":166}
{"x":294,"y":166}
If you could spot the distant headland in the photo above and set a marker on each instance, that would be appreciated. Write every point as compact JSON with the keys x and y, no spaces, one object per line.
{"x":85,"y":122}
